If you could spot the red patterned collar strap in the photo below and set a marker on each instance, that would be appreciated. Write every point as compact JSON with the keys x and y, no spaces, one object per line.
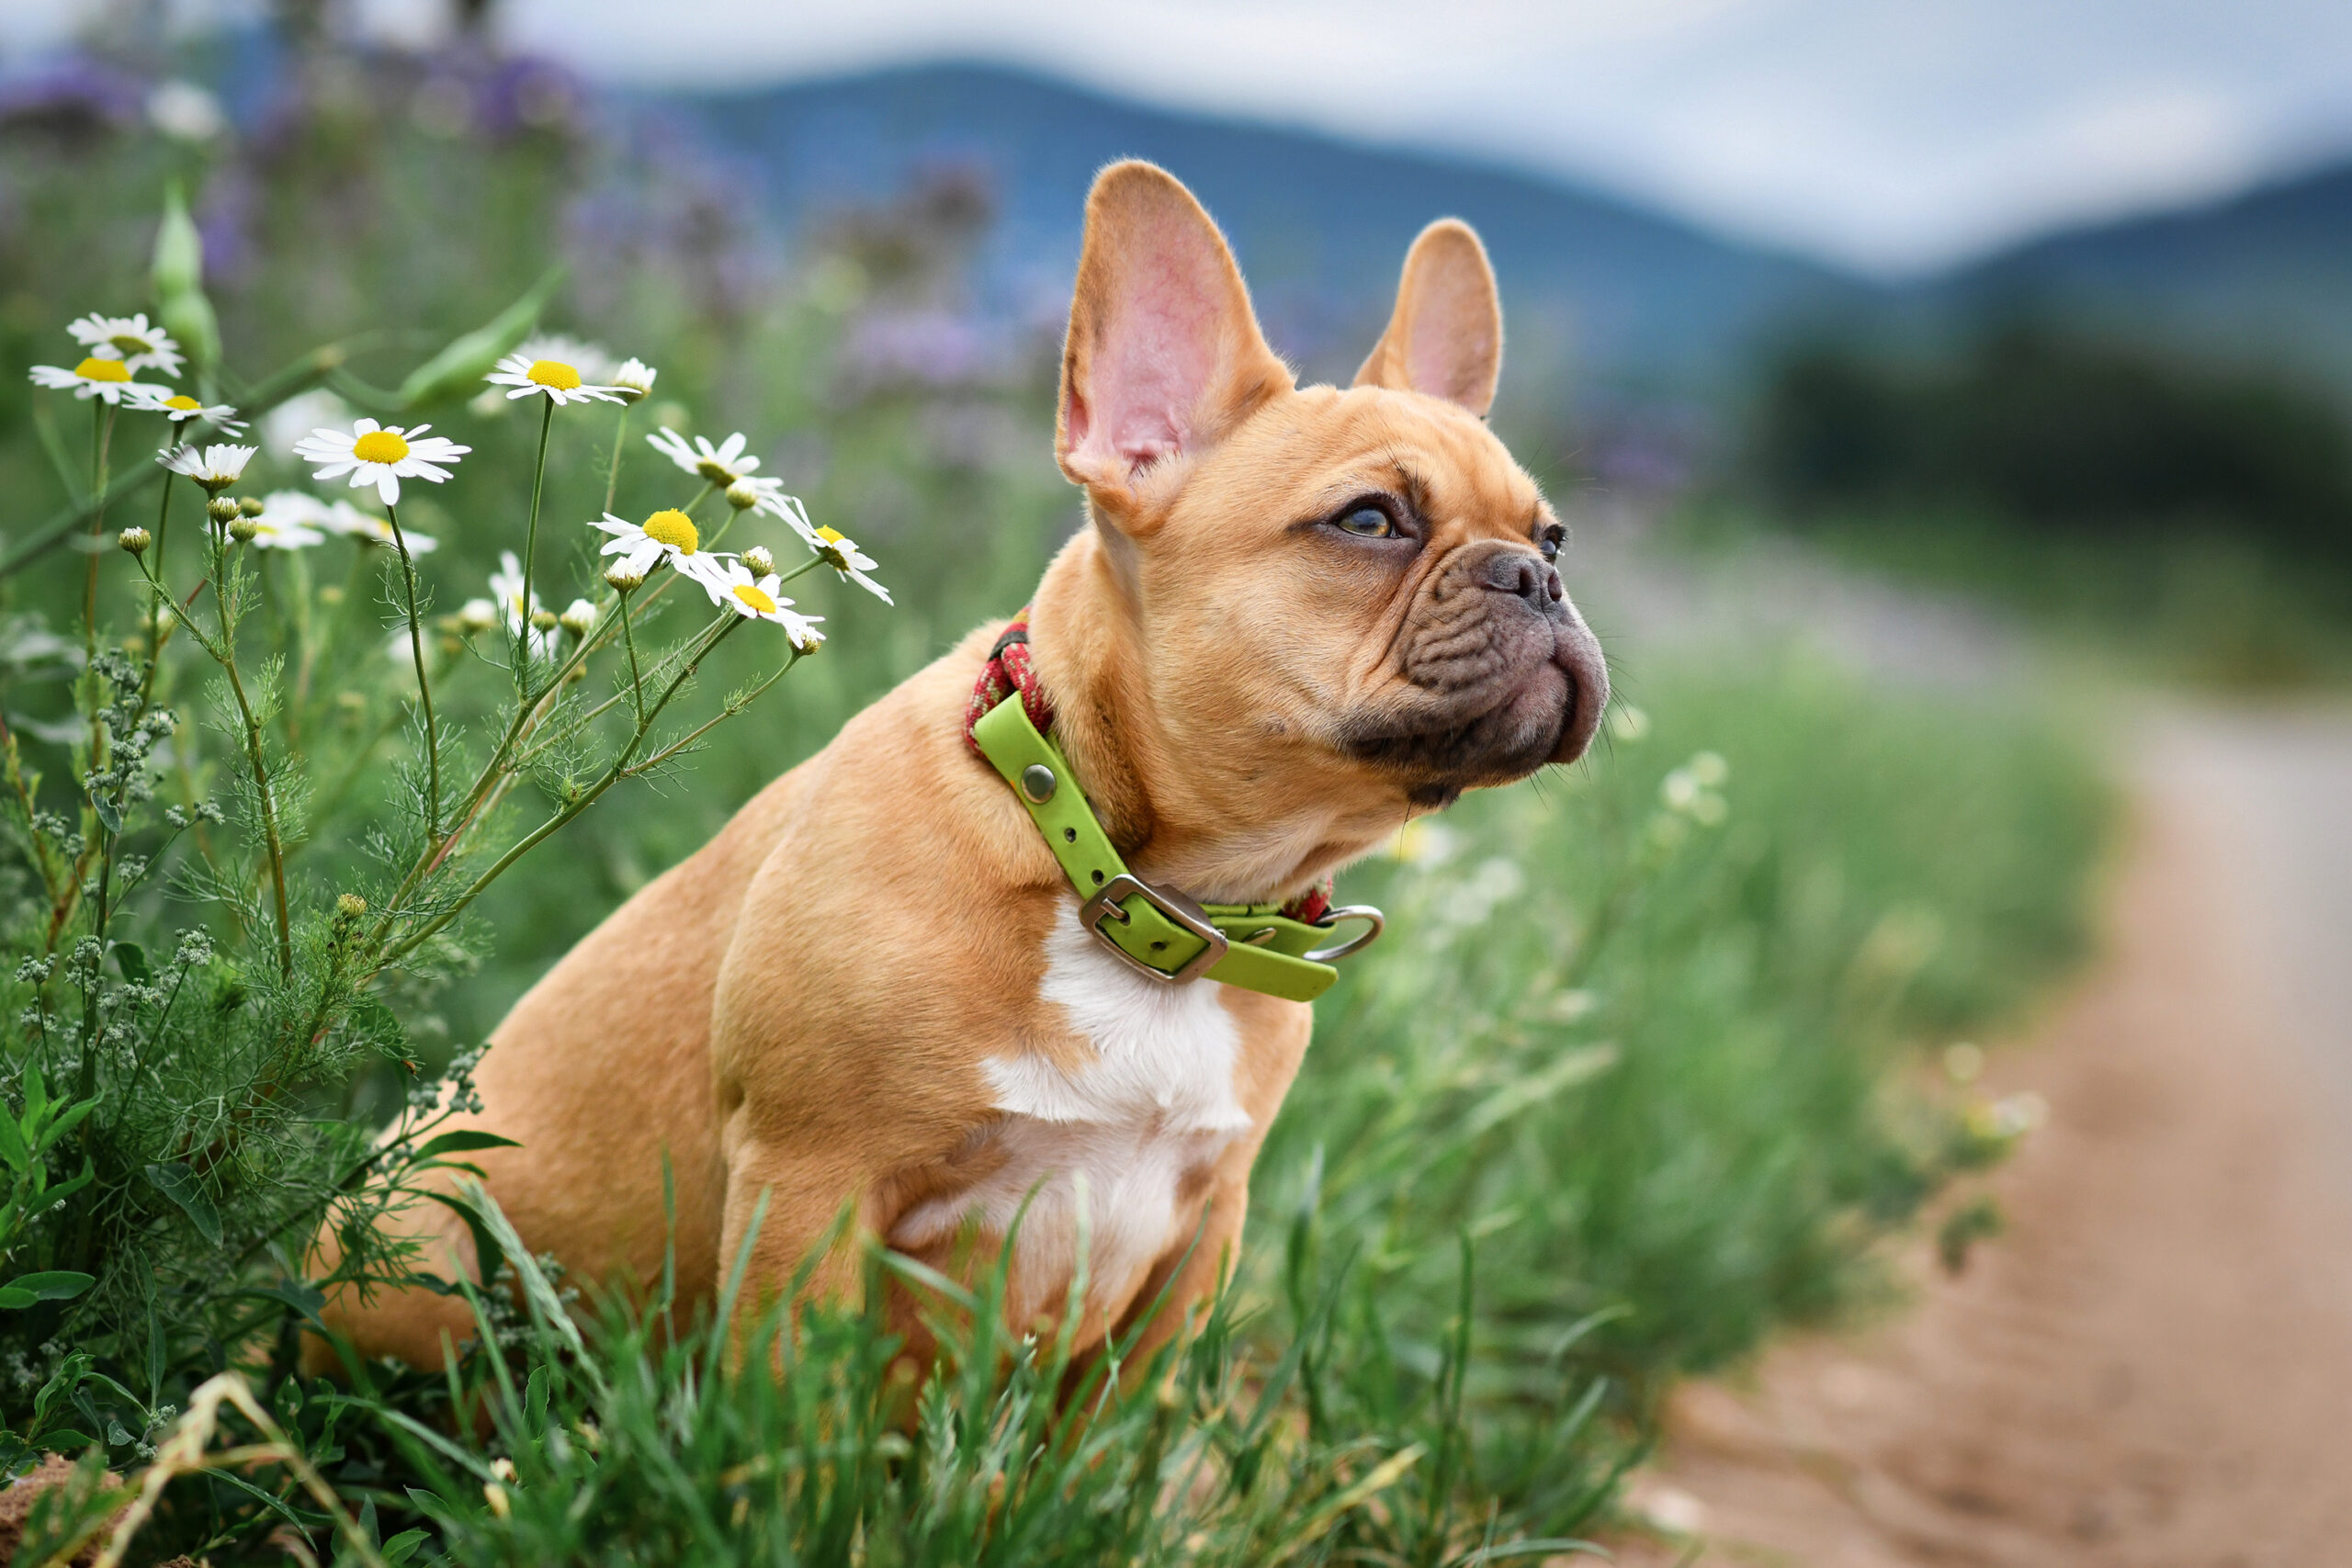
{"x":1009,"y":672}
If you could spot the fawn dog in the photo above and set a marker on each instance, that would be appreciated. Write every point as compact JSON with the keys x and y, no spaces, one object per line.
{"x":1296,"y":617}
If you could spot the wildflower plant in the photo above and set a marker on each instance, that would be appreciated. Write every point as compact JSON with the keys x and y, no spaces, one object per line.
{"x":202,"y":967}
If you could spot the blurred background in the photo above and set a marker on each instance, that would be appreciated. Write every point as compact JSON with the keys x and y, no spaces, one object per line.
{"x":1934,"y":392}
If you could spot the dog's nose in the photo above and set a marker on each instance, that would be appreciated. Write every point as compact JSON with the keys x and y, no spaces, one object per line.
{"x":1526,"y":577}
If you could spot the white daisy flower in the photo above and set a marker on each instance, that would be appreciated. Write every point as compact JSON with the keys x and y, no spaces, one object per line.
{"x":667,"y":536}
{"x":382,"y":456}
{"x":593,"y":360}
{"x":560,"y":383}
{"x":129,"y":338}
{"x":214,"y":468}
{"x":477,"y":616}
{"x":579,"y":617}
{"x":722,"y":465}
{"x":100,"y":376}
{"x":283,"y":532}
{"x":755,"y":598}
{"x":506,"y":592}
{"x":842,"y":554}
{"x":341,"y":518}
{"x":795,"y":515}
{"x":295,"y":509}
{"x":634,"y":380}
{"x":179,"y":408}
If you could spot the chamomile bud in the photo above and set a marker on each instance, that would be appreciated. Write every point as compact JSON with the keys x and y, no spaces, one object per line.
{"x":742,"y":495}
{"x":624,"y":578}
{"x":243,"y":528}
{"x":578,"y":617}
{"x":220,"y":509}
{"x":544,"y":620}
{"x":134,"y":540}
{"x":634,"y":380}
{"x":761,"y":563}
{"x":477,"y":616}
{"x":350,"y":906}
{"x":250,"y":505}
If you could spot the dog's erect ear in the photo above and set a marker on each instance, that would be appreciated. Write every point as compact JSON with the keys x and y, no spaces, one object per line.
{"x":1164,"y":354}
{"x":1446,"y":338}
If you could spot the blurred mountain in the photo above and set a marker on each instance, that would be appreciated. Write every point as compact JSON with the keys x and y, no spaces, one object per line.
{"x":1626,"y":301}
{"x":2262,"y":276}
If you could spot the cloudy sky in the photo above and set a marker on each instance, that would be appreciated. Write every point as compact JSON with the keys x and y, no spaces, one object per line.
{"x":1891,"y":135}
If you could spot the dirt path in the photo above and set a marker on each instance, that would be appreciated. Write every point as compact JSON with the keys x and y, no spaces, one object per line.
{"x":2154,"y":1366}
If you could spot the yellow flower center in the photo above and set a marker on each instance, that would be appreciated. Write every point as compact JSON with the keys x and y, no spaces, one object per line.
{"x":553,"y":373}
{"x":758,"y":601}
{"x":182,"y":402}
{"x":103,"y":370}
{"x":831,"y":535}
{"x":129,"y":342}
{"x":380,"y":446}
{"x":673,"y":528}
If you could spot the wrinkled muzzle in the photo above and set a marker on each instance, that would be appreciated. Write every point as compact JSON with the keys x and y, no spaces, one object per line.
{"x":1499,"y":675}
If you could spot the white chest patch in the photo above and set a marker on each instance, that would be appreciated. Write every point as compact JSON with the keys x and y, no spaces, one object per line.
{"x":1156,"y":1102}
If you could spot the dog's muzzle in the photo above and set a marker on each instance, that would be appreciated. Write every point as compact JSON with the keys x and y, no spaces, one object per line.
{"x":1500,"y":675}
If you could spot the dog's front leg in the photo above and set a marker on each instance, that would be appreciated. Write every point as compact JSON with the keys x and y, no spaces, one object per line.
{"x":783,"y":1200}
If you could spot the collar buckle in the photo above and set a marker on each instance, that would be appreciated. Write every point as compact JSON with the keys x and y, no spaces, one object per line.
{"x":1178,"y":910}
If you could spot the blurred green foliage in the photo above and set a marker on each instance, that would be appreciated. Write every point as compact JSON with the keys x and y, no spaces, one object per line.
{"x":2065,"y":434}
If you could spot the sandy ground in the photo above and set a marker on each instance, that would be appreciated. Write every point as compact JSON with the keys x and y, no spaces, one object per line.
{"x":2154,"y":1366}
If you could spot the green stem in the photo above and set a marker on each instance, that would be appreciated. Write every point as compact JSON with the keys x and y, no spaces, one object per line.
{"x":155,"y":600}
{"x":101,"y":436}
{"x":636,"y":681}
{"x":482,"y":792}
{"x":530,"y":550}
{"x":227,"y":656}
{"x":612,"y":474}
{"x":424,"y":684}
{"x":619,"y":768}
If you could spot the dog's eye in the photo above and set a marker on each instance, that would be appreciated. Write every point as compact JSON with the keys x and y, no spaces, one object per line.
{"x":1549,"y":543}
{"x":1368,"y":523}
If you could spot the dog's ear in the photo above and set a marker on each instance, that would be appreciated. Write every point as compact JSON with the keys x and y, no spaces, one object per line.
{"x":1164,"y":354}
{"x":1446,"y":337}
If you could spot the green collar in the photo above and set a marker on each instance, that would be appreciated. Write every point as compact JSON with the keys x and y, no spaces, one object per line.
{"x":1163,"y":934}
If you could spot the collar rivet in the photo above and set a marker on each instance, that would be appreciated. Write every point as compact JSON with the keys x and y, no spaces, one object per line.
{"x":1037,"y":783}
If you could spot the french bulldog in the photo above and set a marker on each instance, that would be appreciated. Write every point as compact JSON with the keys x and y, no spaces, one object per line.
{"x":1295,"y":618}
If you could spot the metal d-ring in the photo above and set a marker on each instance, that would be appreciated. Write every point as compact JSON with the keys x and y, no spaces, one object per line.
{"x":1374,"y":925}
